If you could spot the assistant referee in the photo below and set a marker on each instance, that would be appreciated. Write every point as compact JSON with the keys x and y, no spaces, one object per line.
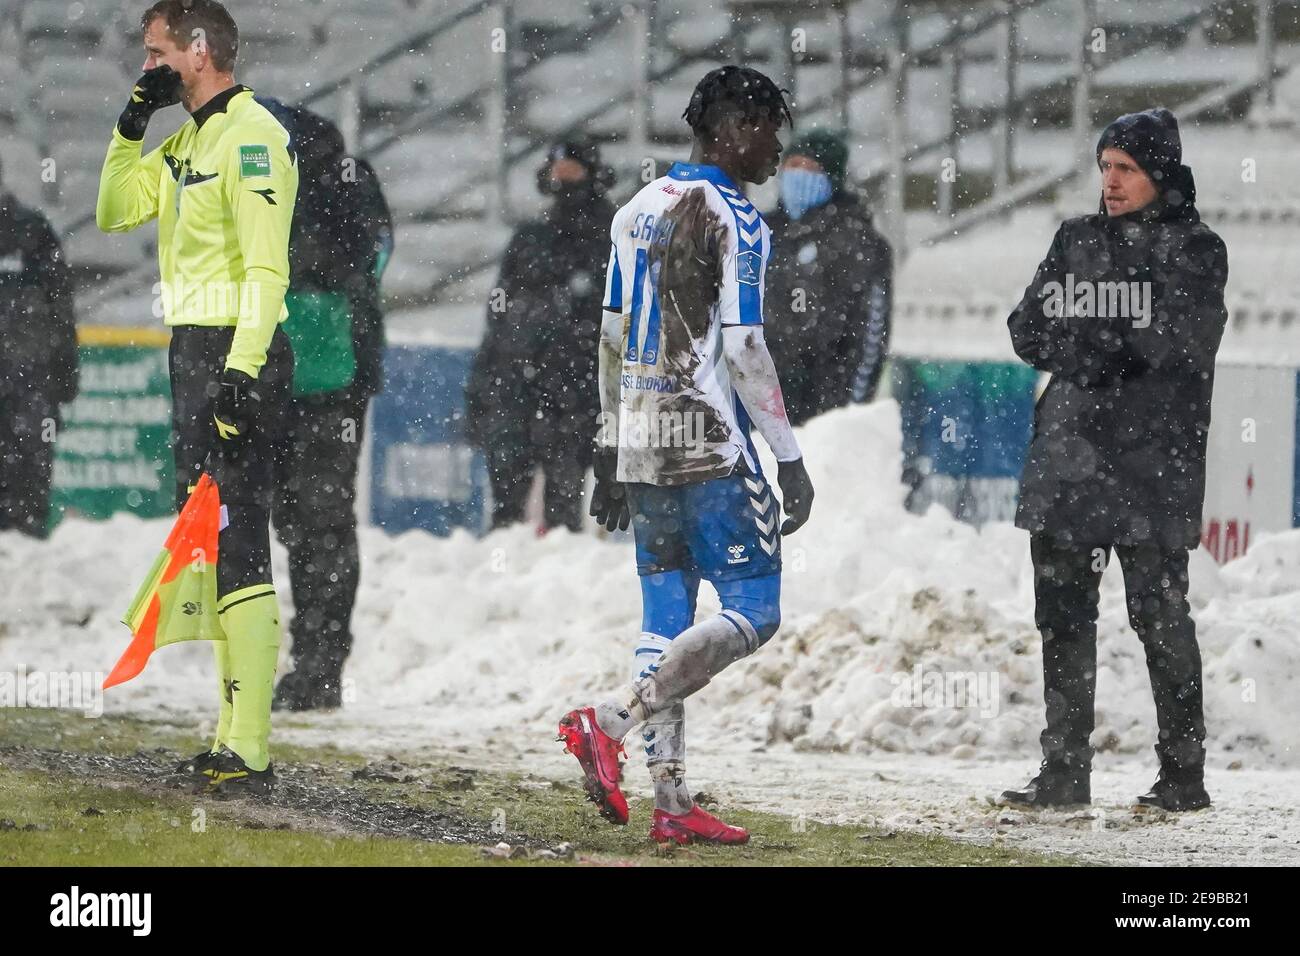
{"x":223,"y":188}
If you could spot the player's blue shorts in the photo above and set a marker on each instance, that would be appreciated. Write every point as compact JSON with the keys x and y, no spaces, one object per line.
{"x":724,"y":529}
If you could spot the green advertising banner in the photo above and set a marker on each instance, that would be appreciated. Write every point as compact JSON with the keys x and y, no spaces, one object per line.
{"x":113,"y":452}
{"x":966,"y":428}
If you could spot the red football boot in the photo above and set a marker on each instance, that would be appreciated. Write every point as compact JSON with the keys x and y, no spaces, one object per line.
{"x":597,"y":753}
{"x":696,"y":826}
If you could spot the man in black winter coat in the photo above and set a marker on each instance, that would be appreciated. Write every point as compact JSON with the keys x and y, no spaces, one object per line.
{"x":38,"y":362}
{"x":531,"y":399}
{"x":1126,"y":313}
{"x":830,"y":280}
{"x":341,"y":241}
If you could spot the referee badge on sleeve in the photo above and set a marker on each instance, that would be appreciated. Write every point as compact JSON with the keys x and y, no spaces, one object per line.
{"x":254,"y":161}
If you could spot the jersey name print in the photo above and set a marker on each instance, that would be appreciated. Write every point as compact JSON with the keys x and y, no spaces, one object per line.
{"x":688,"y":257}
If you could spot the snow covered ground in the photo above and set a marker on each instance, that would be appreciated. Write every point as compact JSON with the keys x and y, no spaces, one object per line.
{"x":904,"y":687}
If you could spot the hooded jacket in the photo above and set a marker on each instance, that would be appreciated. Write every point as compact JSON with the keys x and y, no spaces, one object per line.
{"x":1126,"y":313}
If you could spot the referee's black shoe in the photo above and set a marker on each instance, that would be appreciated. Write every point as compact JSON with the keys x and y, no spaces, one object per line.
{"x":228,"y":774}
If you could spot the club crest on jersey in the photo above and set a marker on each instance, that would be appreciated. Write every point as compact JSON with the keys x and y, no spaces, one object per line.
{"x":747,"y":266}
{"x":738,"y":555}
{"x":254,"y":161}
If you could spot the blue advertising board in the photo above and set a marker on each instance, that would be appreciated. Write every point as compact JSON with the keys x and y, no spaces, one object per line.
{"x":423,"y":473}
{"x":966,"y":429}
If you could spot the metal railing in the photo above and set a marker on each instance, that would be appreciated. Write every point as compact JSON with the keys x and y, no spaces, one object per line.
{"x":889,"y":64}
{"x":1007,"y":195}
{"x":951,"y":51}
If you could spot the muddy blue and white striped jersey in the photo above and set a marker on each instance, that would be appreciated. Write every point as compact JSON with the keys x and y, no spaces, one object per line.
{"x":688,"y":257}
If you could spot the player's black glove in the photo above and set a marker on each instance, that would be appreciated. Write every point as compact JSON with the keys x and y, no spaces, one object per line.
{"x":609,"y":500}
{"x":796,"y":494}
{"x":157,"y":88}
{"x":236,"y":405}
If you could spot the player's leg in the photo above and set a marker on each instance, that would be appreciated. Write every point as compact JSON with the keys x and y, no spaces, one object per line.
{"x":290,"y":520}
{"x":1155,"y":579}
{"x":564,"y":468}
{"x":316,"y":518}
{"x":26,"y":460}
{"x":734,"y":539}
{"x":510,"y":476}
{"x":1067,"y":578}
{"x":661,"y":556}
{"x":668,"y":608}
{"x":246,"y":598}
{"x":192,"y":367}
{"x":729,"y":528}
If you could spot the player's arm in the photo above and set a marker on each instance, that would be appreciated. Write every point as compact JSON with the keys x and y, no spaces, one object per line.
{"x":260,"y":182}
{"x":609,"y":505}
{"x":128,"y":182}
{"x":873,"y":329}
{"x":1088,"y":351}
{"x":753,"y":374}
{"x":261,"y":185}
{"x":609,"y":361}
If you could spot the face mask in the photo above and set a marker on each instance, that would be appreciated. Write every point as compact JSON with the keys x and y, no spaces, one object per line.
{"x":803,"y":190}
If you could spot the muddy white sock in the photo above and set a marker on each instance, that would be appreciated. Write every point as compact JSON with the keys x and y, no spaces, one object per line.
{"x":664,"y":737}
{"x":618,"y":715}
{"x":671,"y":793}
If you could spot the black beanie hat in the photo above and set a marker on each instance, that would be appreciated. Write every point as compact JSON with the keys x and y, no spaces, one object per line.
{"x":1151,"y":138}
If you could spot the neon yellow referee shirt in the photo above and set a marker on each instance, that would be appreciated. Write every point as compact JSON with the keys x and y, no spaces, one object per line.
{"x":223,"y":188}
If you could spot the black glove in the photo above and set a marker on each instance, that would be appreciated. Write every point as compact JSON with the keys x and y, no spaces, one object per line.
{"x":236,"y":405}
{"x":609,"y":500}
{"x":796,"y":493}
{"x":157,"y":88}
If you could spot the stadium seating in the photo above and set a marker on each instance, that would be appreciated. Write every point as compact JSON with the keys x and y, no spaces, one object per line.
{"x":424,"y":115}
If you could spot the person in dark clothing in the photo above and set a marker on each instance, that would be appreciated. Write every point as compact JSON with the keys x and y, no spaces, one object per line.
{"x":830,"y":279}
{"x":531,"y":397}
{"x":341,"y":241}
{"x":1126,"y":313}
{"x":38,"y":362}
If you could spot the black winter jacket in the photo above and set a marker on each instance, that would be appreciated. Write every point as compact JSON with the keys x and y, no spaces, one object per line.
{"x":533,"y":380}
{"x":827,"y":301}
{"x":38,"y":329}
{"x":1118,"y":450}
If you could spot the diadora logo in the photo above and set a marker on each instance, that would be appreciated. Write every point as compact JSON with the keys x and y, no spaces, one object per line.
{"x":738,"y":556}
{"x":191,"y":608}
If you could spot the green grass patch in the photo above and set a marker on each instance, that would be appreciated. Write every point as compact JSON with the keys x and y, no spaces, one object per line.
{"x":52,"y":822}
{"x":142,"y":825}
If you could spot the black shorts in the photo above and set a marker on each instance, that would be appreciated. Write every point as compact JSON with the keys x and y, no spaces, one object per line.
{"x":243,"y":470}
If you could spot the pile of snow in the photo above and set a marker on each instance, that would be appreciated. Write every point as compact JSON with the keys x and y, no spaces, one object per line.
{"x":887,"y":615}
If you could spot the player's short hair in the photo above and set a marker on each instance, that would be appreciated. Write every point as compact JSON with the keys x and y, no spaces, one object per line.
{"x":205,"y":20}
{"x":735,"y":91}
